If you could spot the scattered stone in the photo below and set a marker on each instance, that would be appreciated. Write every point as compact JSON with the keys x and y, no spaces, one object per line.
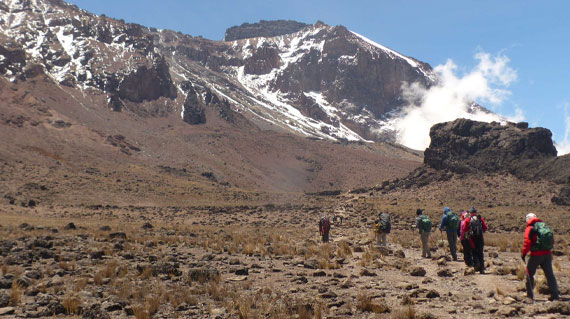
{"x":418,"y":271}
{"x":445,"y":273}
{"x":147,"y":226}
{"x":400,"y":254}
{"x":543,"y":288}
{"x":328,"y":295}
{"x":432,"y":294}
{"x":468,"y":271}
{"x":319,"y":274}
{"x":234,"y":261}
{"x":7,"y":311}
{"x":242,"y":272}
{"x":105,"y":228}
{"x":311,"y":264}
{"x":203,"y":274}
{"x":442,"y":261}
{"x":70,"y":226}
{"x":119,"y":235}
{"x":368,"y":273}
{"x":560,"y":307}
{"x":493,"y":254}
{"x":97,"y":254}
{"x":95,"y":312}
{"x":507,"y":311}
{"x":4,"y":299}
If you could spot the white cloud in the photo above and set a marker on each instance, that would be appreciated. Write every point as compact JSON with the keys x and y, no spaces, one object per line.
{"x":453,"y":98}
{"x":563,"y":146}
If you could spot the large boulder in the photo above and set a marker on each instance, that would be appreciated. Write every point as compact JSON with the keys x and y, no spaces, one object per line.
{"x":466,"y":146}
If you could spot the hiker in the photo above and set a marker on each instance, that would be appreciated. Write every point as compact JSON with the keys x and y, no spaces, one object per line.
{"x":382,"y":227}
{"x":539,"y":240}
{"x":466,"y":243}
{"x":449,"y":223}
{"x":474,"y":227}
{"x":423,"y":224}
{"x":324,"y":228}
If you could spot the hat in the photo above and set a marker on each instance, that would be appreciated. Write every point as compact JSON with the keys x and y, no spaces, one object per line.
{"x":472,"y":209}
{"x":446,"y":210}
{"x":419,"y":211}
{"x":530,"y":216}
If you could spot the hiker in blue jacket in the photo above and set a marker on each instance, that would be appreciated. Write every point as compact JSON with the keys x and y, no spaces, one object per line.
{"x":449,"y":223}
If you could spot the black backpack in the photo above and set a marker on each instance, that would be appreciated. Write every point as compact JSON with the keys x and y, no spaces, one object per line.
{"x":475,"y":227}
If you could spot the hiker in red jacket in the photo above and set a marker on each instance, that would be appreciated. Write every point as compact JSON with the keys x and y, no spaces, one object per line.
{"x":473,"y":228}
{"x":539,"y":240}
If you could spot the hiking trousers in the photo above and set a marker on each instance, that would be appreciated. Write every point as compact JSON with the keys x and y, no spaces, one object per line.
{"x":545,"y":262}
{"x":325,"y":237}
{"x":478,"y":255}
{"x":467,"y":252}
{"x":452,"y":240}
{"x":381,"y":238}
{"x":425,"y":244}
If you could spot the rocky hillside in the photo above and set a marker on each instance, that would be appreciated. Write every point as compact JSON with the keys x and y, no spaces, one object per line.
{"x":313,"y":80}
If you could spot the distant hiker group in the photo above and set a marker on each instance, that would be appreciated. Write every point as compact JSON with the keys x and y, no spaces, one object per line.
{"x":470,"y":228}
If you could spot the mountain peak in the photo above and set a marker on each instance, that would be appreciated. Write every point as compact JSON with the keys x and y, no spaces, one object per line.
{"x":263,"y":28}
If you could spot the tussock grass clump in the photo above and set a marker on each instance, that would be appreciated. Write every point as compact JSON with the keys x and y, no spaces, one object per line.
{"x":343,"y":249}
{"x":406,"y":313}
{"x":71,"y":304}
{"x":16,"y":294}
{"x":364,"y":303}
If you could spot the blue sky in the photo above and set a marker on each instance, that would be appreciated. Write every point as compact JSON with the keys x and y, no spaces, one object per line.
{"x":533,"y":35}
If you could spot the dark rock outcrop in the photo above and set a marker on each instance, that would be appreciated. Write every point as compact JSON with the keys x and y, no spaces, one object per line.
{"x":263,"y":29}
{"x":469,"y":147}
{"x":466,"y":146}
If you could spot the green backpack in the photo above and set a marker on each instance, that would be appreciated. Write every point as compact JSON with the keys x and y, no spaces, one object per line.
{"x":452,"y":221}
{"x":544,"y":237}
{"x":425,"y":224}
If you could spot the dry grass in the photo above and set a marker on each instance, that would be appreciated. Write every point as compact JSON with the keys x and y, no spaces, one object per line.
{"x":521,"y":272}
{"x":364,"y":303}
{"x":80,"y":284}
{"x":16,"y":294}
{"x":406,"y":313}
{"x":4,"y":269}
{"x":343,"y":249}
{"x":499,"y":291}
{"x":71,"y":304}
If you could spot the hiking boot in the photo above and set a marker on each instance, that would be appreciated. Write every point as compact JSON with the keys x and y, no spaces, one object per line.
{"x":553,"y":298}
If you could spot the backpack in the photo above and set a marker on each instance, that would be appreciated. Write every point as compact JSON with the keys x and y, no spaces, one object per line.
{"x":385,"y":225}
{"x":544,"y":238}
{"x":452,"y":221}
{"x":475,"y":227}
{"x":425,"y":224}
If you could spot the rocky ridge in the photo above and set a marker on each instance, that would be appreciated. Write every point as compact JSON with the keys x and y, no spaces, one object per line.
{"x":263,"y":28}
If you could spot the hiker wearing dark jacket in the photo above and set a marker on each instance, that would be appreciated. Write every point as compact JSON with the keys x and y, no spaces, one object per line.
{"x":474,"y":227}
{"x":424,"y":232}
{"x":540,"y":255}
{"x":450,"y":223}
{"x":324,"y":228}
